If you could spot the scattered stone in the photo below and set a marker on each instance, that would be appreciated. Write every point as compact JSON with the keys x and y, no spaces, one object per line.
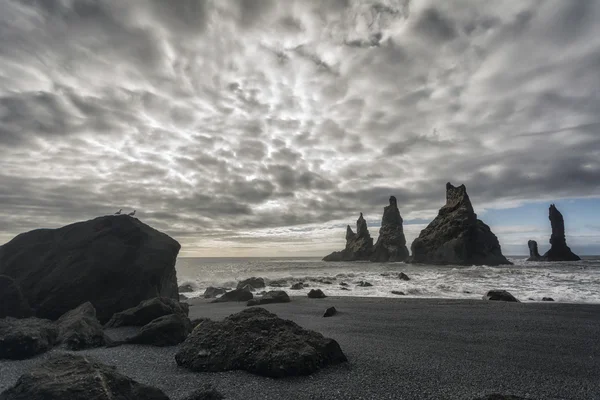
{"x":359,"y":245}
{"x":500,"y":295}
{"x":330,"y":312}
{"x":364,"y":284}
{"x":456,"y":236}
{"x":79,"y":329}
{"x":259,"y":342}
{"x":211,"y":292}
{"x":114,"y":262}
{"x":534,"y":255}
{"x":316,"y":294}
{"x":72,"y":377}
{"x":168,"y":330}
{"x":343,"y":284}
{"x":297,"y":286}
{"x":344,"y":288}
{"x":278,"y":283}
{"x":147,"y":311}
{"x":559,"y":251}
{"x":187,"y":288}
{"x":403,"y":277}
{"x":398,"y":292}
{"x":326,"y":282}
{"x":206,"y":393}
{"x":274,"y":296}
{"x":25,"y":338}
{"x":249,"y":288}
{"x":254,"y":283}
{"x":547,"y":299}
{"x":235,"y":295}
{"x":391,"y":244}
{"x":12,"y":301}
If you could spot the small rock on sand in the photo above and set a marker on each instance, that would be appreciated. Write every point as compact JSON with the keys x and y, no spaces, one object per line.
{"x":330,"y":312}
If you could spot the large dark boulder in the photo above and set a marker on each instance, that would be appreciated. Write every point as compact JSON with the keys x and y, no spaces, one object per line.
{"x":80,"y":329}
{"x":25,"y":338}
{"x":254,"y":283}
{"x":168,"y":330}
{"x":391,"y":243}
{"x":316,"y":294}
{"x":114,"y":262}
{"x":500,"y":295}
{"x":12,"y":301}
{"x":147,"y":311}
{"x":359,"y":245}
{"x":211,"y":292}
{"x":274,"y":296}
{"x":257,"y":341}
{"x":186,"y":288}
{"x":559,"y":251}
{"x":73,"y":377}
{"x":456,"y":236}
{"x":235,"y":295}
{"x":534,"y":255}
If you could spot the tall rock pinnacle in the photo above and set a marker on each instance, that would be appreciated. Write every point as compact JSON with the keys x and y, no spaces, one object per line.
{"x":359,"y":245}
{"x":391,"y":244}
{"x":559,"y":251}
{"x":456,"y":236}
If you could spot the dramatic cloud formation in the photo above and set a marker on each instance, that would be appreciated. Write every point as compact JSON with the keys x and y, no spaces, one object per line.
{"x":264,"y":126}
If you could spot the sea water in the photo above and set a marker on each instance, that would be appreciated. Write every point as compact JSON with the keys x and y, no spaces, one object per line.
{"x":569,"y":282}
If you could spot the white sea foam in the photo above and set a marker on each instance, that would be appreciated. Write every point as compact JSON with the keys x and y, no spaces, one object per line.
{"x":576,"y":282}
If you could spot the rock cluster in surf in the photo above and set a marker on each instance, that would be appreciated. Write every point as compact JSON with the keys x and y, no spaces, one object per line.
{"x":559,"y":251}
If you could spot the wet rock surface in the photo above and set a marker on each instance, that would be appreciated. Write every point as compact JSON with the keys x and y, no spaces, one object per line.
{"x":500,"y":295}
{"x":147,"y":311}
{"x":235,"y":295}
{"x":80,"y":329}
{"x":211,"y":292}
{"x":274,"y":296}
{"x":25,"y":338}
{"x":168,"y":330}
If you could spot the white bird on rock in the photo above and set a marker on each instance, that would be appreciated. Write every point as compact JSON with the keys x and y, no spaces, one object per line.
{"x":131,"y":214}
{"x":119,"y":212}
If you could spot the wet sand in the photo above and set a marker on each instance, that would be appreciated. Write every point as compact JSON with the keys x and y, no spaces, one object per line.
{"x":400,"y":349}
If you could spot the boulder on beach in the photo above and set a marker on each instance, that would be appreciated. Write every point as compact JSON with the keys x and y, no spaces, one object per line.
{"x":211,"y":292}
{"x":254,"y":283}
{"x":168,"y":330}
{"x":398,"y":293}
{"x":12,"y":301}
{"x":186,"y":288}
{"x":147,"y":311}
{"x":114,"y":262}
{"x":534,"y":254}
{"x":72,"y":377}
{"x":364,"y":284}
{"x":79,"y":329}
{"x":206,"y":393}
{"x":456,"y":236}
{"x":559,"y":251}
{"x":25,"y":338}
{"x":274,"y":296}
{"x":316,"y":294}
{"x":391,"y":243}
{"x":547,"y":299}
{"x":278,"y":283}
{"x":403,"y":277}
{"x":259,"y":342}
{"x":235,"y":295}
{"x":359,"y":245}
{"x":330,"y":312}
{"x":297,"y":286}
{"x":500,"y":295}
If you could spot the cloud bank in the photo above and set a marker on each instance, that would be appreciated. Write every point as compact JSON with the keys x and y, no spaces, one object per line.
{"x":263,"y":126}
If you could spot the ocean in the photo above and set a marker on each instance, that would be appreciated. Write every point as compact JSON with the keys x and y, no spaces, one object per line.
{"x":567,"y":282}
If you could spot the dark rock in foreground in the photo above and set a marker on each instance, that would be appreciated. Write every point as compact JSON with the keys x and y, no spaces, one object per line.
{"x":206,"y":393}
{"x":235,"y":295}
{"x":80,"y":329}
{"x":147,"y":311}
{"x":211,"y":292}
{"x":403,"y":277}
{"x":12,"y":301}
{"x":330,"y":312}
{"x":25,"y":338}
{"x":316,"y":294}
{"x":391,"y":243}
{"x":114,"y":262}
{"x":254,"y":283}
{"x":73,"y":377}
{"x":559,"y":251}
{"x":259,"y":342}
{"x":534,"y":254}
{"x":274,"y":296}
{"x":359,"y":245}
{"x":500,"y":295}
{"x":168,"y":330}
{"x":456,"y":236}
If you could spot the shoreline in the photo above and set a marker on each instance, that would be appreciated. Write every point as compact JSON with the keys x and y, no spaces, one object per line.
{"x":401,"y":348}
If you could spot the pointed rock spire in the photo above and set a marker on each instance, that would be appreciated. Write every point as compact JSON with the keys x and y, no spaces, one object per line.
{"x":391,"y":244}
{"x":559,"y":251}
{"x":534,"y":255}
{"x":359,"y":245}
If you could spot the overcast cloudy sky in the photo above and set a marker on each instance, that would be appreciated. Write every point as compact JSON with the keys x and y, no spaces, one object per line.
{"x":263,"y":127}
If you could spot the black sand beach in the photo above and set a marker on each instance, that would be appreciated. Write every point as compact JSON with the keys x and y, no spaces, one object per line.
{"x":400,"y":349}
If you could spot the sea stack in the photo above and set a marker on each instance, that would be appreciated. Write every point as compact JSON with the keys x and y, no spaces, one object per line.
{"x":534,"y":255}
{"x":456,"y":236}
{"x":359,"y":245}
{"x":559,"y":251}
{"x":391,"y":244}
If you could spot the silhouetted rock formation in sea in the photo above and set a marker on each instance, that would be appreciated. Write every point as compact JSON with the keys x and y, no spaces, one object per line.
{"x":114,"y":262}
{"x":534,"y":255}
{"x":391,"y":244}
{"x":359,"y":245}
{"x":559,"y":251}
{"x":456,"y":236}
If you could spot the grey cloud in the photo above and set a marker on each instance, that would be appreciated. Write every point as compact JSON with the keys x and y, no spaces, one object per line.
{"x":435,"y":25}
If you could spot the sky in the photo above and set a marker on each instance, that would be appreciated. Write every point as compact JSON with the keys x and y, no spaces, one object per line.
{"x":263,"y":127}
